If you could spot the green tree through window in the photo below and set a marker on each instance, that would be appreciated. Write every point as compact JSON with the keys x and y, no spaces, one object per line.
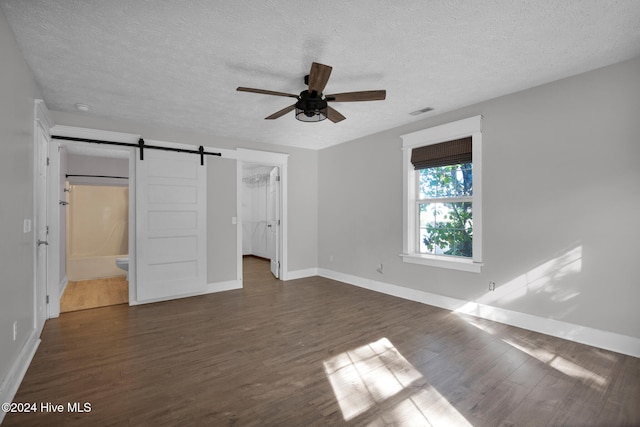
{"x":445,"y":210}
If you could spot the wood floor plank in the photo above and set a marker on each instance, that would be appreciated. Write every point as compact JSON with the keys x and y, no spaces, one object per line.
{"x":316,"y":352}
{"x":496,"y":406}
{"x":86,"y":294}
{"x":621,"y":406}
{"x":542,"y":402}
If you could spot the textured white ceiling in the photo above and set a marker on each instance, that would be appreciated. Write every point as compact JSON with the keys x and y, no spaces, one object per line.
{"x":178,"y":63}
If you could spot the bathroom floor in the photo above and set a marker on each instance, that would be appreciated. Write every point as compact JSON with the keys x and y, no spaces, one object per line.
{"x":85,"y":294}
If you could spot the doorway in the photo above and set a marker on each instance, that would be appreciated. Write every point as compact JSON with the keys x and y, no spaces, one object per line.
{"x":96,"y":224}
{"x":261,"y":214}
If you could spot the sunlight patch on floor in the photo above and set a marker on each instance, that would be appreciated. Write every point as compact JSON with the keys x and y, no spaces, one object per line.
{"x":562,"y":364}
{"x":367,"y":375}
{"x":370,"y":375}
{"x":426,"y":407}
{"x":547,"y":357}
{"x":539,"y":279}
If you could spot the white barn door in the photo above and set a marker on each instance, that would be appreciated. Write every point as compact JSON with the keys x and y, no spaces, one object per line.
{"x":171,"y":225}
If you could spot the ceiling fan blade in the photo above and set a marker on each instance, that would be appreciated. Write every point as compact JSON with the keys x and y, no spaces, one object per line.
{"x":266,"y":92}
{"x":334,"y":115}
{"x":366,"y":95}
{"x":318,"y":77}
{"x":281,"y":112}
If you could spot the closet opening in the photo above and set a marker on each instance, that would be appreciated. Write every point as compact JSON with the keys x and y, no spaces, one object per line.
{"x":261,"y":222}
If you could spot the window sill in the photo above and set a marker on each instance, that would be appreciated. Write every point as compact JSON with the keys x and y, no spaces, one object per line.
{"x":443,"y":262}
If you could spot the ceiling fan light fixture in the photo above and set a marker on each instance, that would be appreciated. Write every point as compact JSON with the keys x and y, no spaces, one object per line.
{"x":316,"y":115}
{"x":311,"y":108}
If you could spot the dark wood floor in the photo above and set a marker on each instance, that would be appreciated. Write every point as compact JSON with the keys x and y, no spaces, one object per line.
{"x":317,"y":352}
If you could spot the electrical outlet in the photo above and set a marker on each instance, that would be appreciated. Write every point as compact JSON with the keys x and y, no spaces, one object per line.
{"x":15,"y":330}
{"x":492,"y":286}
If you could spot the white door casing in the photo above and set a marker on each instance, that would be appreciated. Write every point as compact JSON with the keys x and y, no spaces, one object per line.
{"x":171,"y":221}
{"x":41,"y":228}
{"x":272,"y":159}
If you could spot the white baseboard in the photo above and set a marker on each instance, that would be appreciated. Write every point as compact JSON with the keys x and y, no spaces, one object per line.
{"x":55,"y":295}
{"x":582,"y":334}
{"x":12,"y":381}
{"x":301,"y":274}
{"x":229,"y":285}
{"x":210,"y":289}
{"x":63,"y":285}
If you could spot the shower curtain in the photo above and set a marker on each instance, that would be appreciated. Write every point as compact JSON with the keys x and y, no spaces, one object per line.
{"x":97,"y":230}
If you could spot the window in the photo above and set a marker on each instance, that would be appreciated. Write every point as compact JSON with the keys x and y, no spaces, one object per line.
{"x":444,"y":202}
{"x":442,"y":188}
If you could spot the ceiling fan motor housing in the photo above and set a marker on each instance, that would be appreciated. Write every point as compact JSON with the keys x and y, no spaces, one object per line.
{"x":311,"y":107}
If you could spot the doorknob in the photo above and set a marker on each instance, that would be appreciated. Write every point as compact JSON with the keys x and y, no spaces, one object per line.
{"x":42,"y":242}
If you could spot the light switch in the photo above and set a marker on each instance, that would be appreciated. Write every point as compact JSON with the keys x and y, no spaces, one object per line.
{"x":26,"y":227}
{"x":234,"y":220}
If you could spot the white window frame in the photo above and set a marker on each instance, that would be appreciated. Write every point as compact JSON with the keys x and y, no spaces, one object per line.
{"x":472,"y":127}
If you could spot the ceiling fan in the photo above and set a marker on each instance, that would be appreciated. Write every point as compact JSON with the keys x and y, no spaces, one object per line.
{"x":312,"y":104}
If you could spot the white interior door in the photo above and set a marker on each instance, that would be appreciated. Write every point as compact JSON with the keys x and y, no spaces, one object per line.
{"x":171,"y":226}
{"x":273,"y":221}
{"x":41,"y":229}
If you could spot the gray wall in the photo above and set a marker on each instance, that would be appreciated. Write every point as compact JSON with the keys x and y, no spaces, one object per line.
{"x":561,"y":203}
{"x":17,"y":93}
{"x":221,"y":206}
{"x":302,"y":191}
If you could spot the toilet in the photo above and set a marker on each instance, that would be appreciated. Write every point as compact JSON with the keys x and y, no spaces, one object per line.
{"x":123,"y":264}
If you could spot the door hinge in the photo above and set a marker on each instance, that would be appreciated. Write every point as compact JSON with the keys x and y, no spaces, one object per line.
{"x":278,"y":178}
{"x":278,"y":222}
{"x":47,"y":230}
{"x":47,"y":299}
{"x":48,"y":160}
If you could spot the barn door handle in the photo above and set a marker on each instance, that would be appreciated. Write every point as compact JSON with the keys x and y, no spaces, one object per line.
{"x":43,"y":242}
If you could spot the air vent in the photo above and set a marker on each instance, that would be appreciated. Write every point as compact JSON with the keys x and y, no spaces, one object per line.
{"x":422,"y":111}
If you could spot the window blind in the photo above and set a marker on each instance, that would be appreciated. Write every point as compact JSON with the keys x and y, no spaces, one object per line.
{"x":446,"y":153}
